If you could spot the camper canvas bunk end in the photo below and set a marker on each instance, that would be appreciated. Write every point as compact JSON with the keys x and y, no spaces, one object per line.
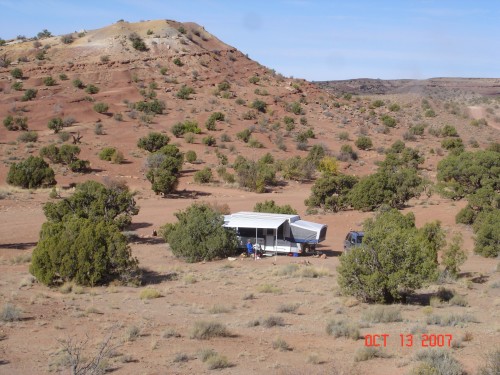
{"x":276,"y":233}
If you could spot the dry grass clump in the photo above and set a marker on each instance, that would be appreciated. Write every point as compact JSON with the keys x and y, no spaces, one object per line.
{"x":181,"y":357}
{"x":218,"y":309}
{"x":458,"y":300}
{"x":294,"y":270}
{"x":170,"y":332}
{"x":491,"y":363}
{"x":281,"y":345}
{"x":133,"y":332}
{"x":21,"y":259}
{"x":436,"y":361}
{"x":214,"y":360}
{"x":273,"y":321}
{"x":66,"y":288}
{"x":288,"y":308}
{"x":203,"y":330}
{"x":10,"y":313}
{"x":149,"y":293}
{"x":451,"y":320}
{"x":368,"y":352}
{"x":268,"y":288}
{"x":190,"y":279}
{"x":382,"y":314}
{"x":248,"y":296}
{"x":342,"y":329}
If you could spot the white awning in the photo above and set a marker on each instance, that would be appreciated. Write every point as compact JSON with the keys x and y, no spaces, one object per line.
{"x":308,"y":225}
{"x":234,"y":221}
{"x":262,"y":220}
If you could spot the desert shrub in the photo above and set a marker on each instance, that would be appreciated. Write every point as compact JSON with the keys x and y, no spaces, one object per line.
{"x":254,"y":80}
{"x":487,"y":239}
{"x":18,"y":86}
{"x":373,"y":273}
{"x":153,"y":141}
{"x":281,"y":345}
{"x":394,"y":107}
{"x":64,"y":155}
{"x":49,"y":81}
{"x":455,"y":145}
{"x":191,"y":156}
{"x":430,"y":113}
{"x":491,"y":363}
{"x":273,"y":321}
{"x":177,"y":62}
{"x":464,"y":173}
{"x":184,"y":92}
{"x":382,"y":314}
{"x":163,"y":169}
{"x":342,"y":329}
{"x":271,"y":207}
{"x":187,"y":126}
{"x":91,"y":89}
{"x":31,"y":173}
{"x":15,"y":123}
{"x":137,"y":42}
{"x":331,"y":192}
{"x":295,"y":108}
{"x":56,"y":124}
{"x":10,"y":313}
{"x":454,"y":256}
{"x":98,"y":128}
{"x":149,"y":293}
{"x":449,"y":131}
{"x":94,"y":201}
{"x":451,"y":320}
{"x":288,"y":308}
{"x":417,"y":129}
{"x":85,"y":251}
{"x":364,"y":143}
{"x":29,"y":136}
{"x":367,"y":353}
{"x":154,"y":106}
{"x":209,"y":140}
{"x":378,"y":103}
{"x":259,"y":105}
{"x":343,"y":136}
{"x":67,"y":39}
{"x":78,"y":83}
{"x":254,"y":176}
{"x":203,"y":330}
{"x":438,"y":361}
{"x":204,"y":176}
{"x":214,"y":117}
{"x":16,"y":73}
{"x":101,"y":107}
{"x":347,"y":153}
{"x":388,"y":121}
{"x":244,"y":135}
{"x":29,"y":94}
{"x":199,"y":235}
{"x":107,"y":153}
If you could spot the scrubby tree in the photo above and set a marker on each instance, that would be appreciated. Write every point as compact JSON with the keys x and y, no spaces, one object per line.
{"x":270,"y":206}
{"x":29,"y":94}
{"x":101,"y":107}
{"x":84,"y":251}
{"x":185,"y":92}
{"x":31,"y":173}
{"x":259,"y":105}
{"x":487,"y":239}
{"x":16,"y":73}
{"x":137,"y":42}
{"x":199,"y":234}
{"x":204,"y":176}
{"x":331,"y":192}
{"x":394,"y":260}
{"x":364,"y":143}
{"x":16,"y":123}
{"x":56,"y":124}
{"x":92,"y":200}
{"x":454,"y":256}
{"x":467,"y":172}
{"x":153,"y":141}
{"x":163,"y":169}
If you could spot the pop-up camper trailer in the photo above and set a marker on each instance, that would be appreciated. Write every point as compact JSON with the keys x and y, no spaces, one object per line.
{"x":276,"y":233}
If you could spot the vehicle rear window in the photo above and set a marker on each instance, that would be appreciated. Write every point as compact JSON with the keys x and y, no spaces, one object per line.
{"x":359,"y":239}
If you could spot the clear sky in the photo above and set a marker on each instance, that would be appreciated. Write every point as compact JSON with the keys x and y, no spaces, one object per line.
{"x":312,"y":39}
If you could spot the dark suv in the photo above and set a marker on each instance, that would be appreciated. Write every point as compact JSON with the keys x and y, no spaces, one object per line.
{"x":353,"y":239}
